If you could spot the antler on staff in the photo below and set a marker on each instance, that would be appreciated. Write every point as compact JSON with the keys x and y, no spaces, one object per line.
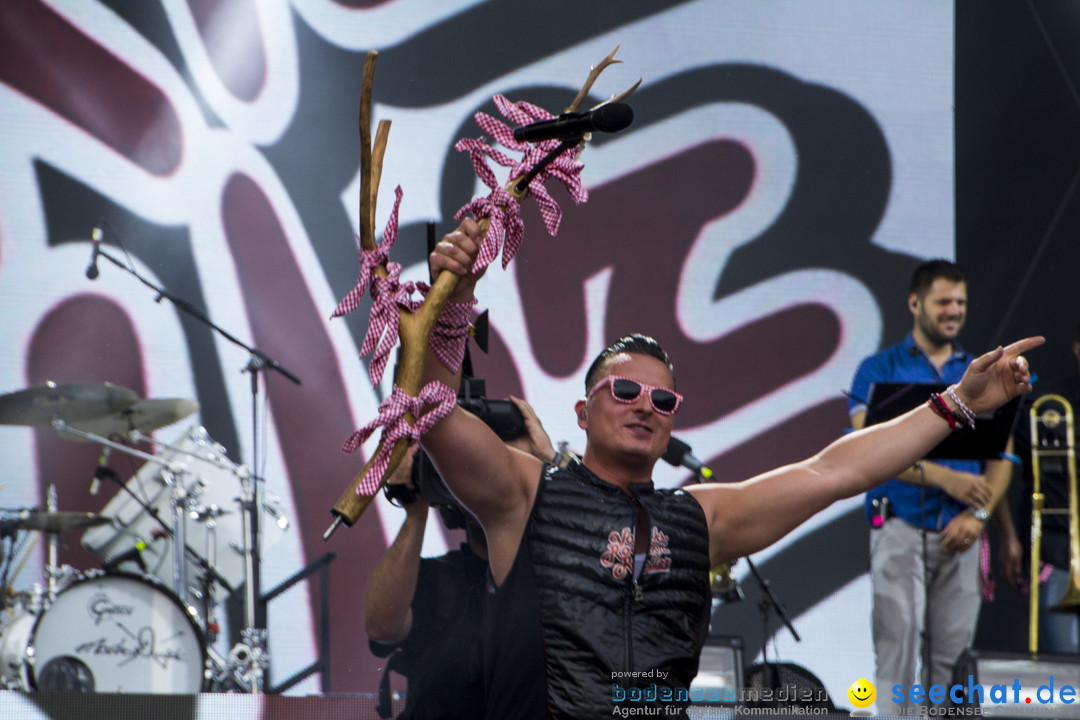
{"x":594,"y":73}
{"x":414,"y":328}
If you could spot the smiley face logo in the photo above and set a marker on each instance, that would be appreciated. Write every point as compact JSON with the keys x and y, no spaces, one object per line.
{"x":862,"y":693}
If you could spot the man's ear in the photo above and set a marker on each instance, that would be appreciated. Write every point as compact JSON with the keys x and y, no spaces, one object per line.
{"x":582,"y":415}
{"x":913,"y":303}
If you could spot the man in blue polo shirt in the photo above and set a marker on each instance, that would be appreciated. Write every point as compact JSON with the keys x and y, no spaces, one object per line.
{"x":926,"y":523}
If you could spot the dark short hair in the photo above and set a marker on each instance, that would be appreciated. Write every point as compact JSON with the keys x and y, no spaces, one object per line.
{"x":632,"y":344}
{"x":1076,"y":334}
{"x":926,"y":273}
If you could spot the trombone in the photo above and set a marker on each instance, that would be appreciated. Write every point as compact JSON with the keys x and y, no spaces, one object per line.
{"x":1052,"y":440}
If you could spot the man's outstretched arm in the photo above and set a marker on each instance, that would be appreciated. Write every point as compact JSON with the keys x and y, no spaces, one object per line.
{"x":746,"y":517}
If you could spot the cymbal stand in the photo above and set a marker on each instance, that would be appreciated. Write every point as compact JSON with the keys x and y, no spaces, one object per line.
{"x":248,"y":660}
{"x":52,"y":568}
{"x":178,"y":505}
{"x":209,"y":516}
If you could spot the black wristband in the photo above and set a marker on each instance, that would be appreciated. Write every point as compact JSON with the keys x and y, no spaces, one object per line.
{"x":400,"y":494}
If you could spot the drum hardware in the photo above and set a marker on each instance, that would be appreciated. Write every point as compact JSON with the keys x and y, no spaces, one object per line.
{"x":170,"y":474}
{"x":53,"y":523}
{"x":132,"y":422}
{"x":725,"y":588}
{"x":1053,"y":452}
{"x":178,"y":505}
{"x":272,"y":507}
{"x":209,"y":515}
{"x":95,"y":631}
{"x":207,"y":573}
{"x":58,"y":522}
{"x":210,"y":479}
{"x":68,"y":403}
{"x":248,"y":659}
{"x":108,"y":633}
{"x":258,"y":361}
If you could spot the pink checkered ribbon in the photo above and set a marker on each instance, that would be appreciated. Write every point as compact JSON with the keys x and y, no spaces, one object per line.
{"x":387,"y":295}
{"x":984,"y":567}
{"x":392,"y":419}
{"x":506,"y":229}
{"x":450,"y":333}
{"x":369,"y":260}
{"x":1022,"y":585}
{"x":1045,"y":571}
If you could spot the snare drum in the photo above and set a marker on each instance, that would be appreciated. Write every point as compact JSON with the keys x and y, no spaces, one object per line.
{"x":113,"y":633}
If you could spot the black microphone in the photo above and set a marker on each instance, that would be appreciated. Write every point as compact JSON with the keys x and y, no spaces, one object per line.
{"x":133,"y":554}
{"x":609,"y":118}
{"x":95,"y":484}
{"x":95,"y":247}
{"x":678,"y":454}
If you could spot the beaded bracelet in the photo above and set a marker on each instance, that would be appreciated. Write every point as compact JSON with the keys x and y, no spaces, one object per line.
{"x":942,"y":410}
{"x":965,"y":411}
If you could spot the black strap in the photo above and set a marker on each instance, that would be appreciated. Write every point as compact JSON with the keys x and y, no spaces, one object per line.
{"x":384,"y":706}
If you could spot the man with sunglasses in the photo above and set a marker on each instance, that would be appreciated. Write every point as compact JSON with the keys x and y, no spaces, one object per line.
{"x":599,"y":602}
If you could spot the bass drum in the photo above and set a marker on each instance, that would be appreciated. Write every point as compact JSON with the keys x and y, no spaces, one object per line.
{"x":117,"y":632}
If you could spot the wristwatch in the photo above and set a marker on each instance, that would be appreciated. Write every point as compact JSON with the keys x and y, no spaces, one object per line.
{"x":981,"y":514}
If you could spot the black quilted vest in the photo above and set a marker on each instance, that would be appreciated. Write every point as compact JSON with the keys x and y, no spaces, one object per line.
{"x":597,"y":623}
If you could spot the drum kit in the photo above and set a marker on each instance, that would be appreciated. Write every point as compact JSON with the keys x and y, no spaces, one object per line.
{"x":175,"y":541}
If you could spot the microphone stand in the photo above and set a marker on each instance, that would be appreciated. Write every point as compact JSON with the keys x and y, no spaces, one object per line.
{"x":251,"y":651}
{"x":769,"y":599}
{"x":569,"y":142}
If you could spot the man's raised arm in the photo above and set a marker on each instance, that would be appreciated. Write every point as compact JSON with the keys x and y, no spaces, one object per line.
{"x":494,"y":482}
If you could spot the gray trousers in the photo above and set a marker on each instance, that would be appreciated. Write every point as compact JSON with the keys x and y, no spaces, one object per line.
{"x":951,"y":601}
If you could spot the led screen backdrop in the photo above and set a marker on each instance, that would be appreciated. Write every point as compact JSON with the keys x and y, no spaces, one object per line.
{"x":788,"y":165}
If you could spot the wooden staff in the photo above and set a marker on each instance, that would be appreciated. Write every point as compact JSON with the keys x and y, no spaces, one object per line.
{"x":414,"y":328}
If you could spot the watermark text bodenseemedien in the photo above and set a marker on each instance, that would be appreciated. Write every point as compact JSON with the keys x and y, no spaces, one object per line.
{"x":652,"y":692}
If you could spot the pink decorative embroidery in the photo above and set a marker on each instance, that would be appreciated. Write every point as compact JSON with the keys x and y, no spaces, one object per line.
{"x":620,"y":553}
{"x":659,"y":553}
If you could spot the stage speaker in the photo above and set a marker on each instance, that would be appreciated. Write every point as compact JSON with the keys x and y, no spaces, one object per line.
{"x":1019,"y":685}
{"x":720,"y":673}
{"x":785,"y":685}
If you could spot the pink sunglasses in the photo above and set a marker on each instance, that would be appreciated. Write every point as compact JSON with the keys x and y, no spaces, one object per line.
{"x":625,"y":390}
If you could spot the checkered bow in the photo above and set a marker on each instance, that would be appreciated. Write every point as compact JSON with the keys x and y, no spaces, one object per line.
{"x":503,"y":211}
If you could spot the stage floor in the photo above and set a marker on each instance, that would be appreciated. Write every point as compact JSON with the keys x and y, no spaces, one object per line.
{"x":207,"y":706}
{"x":229,"y":706}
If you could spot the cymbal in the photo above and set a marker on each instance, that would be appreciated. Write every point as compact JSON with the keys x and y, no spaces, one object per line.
{"x":144,"y":416}
{"x":58,"y":522}
{"x":70,"y":403}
